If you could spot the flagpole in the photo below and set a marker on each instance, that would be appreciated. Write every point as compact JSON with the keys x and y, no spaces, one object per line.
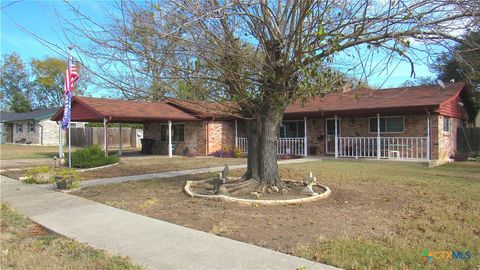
{"x":70,"y":122}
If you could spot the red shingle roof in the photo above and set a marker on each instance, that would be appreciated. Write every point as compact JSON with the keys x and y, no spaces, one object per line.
{"x":367,"y":100}
{"x":205,"y":109}
{"x":95,"y":109}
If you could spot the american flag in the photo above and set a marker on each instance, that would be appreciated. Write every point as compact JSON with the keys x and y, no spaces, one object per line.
{"x":71,"y":77}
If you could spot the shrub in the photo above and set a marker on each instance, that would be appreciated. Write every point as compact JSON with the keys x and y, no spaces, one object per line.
{"x":92,"y":156}
{"x":237,"y":152}
{"x":39,"y":175}
{"x":48,"y":174}
{"x":65,"y":174}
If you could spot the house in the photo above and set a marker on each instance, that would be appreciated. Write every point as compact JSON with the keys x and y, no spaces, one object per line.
{"x":33,"y":127}
{"x":407,"y":123}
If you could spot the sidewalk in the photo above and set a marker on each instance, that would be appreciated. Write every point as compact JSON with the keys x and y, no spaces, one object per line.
{"x":120,"y":179}
{"x":149,"y":242}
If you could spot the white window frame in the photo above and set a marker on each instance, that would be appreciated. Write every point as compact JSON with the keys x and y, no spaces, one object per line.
{"x":173,"y":124}
{"x":449,"y":120}
{"x":29,"y":130}
{"x":387,"y":132}
{"x":19,"y":127}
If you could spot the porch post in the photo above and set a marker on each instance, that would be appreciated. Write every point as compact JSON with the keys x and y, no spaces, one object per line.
{"x":120,"y":135}
{"x":170,"y":139}
{"x":428,"y":136}
{"x":60,"y":142}
{"x":379,"y":147}
{"x":305,"y":143}
{"x":236,"y":134}
{"x":105,"y":136}
{"x":336,"y":136}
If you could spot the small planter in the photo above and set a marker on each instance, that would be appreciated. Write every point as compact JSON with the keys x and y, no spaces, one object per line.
{"x":64,"y":182}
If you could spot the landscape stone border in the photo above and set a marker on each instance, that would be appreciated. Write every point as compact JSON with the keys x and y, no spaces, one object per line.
{"x":224,"y":198}
{"x":96,"y":168}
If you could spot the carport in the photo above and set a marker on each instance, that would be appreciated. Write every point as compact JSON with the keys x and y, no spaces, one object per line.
{"x":102,"y":110}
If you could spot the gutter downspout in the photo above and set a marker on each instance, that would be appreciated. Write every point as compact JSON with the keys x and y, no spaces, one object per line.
{"x":41,"y":133}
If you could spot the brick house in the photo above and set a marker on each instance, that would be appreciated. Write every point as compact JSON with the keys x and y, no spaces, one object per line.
{"x":409,"y":123}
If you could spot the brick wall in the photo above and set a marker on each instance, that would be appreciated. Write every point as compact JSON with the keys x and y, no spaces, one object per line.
{"x":220,"y":134}
{"x":194,"y":139}
{"x":315,"y":136}
{"x":447,"y":142}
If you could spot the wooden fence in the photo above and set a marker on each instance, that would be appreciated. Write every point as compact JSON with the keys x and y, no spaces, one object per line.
{"x":468,"y":139}
{"x":94,"y":135}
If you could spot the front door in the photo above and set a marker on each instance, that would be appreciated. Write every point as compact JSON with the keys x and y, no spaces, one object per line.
{"x":330,"y":134}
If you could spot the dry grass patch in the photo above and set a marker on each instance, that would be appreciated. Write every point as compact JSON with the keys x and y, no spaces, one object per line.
{"x":12,"y":151}
{"x":26,"y":245}
{"x":381,"y":215}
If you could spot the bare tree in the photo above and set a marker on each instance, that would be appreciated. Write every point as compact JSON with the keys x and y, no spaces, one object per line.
{"x":263,"y":55}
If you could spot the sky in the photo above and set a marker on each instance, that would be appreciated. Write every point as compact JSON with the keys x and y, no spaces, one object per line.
{"x":39,"y":17}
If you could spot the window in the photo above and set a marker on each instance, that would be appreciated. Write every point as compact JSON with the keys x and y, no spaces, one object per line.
{"x":31,"y":127}
{"x":178,"y":132}
{"x":19,"y":127}
{"x":388,"y":124}
{"x":292,"y":129}
{"x":447,"y":124}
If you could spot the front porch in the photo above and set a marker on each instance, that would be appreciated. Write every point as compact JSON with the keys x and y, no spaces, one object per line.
{"x":379,"y":137}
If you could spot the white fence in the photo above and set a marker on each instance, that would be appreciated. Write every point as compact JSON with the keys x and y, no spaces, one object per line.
{"x":390,"y":147}
{"x":285,"y":146}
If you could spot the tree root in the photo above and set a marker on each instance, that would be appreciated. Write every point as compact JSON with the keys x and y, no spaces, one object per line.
{"x":247,"y":186}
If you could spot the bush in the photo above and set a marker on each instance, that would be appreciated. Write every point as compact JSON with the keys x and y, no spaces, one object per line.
{"x":39,"y":175}
{"x":47,"y":174}
{"x":92,"y":156}
{"x":237,"y":152}
{"x":63,"y":174}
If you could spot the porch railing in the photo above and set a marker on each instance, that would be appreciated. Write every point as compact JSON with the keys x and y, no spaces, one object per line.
{"x":390,"y":147}
{"x":285,"y":146}
{"x":242,"y":144}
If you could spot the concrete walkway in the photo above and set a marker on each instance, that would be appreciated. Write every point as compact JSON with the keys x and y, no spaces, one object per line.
{"x":120,"y":179}
{"x":149,"y":242}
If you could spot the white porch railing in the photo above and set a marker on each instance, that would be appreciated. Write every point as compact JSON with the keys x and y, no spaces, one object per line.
{"x":242,"y":144}
{"x":285,"y":146}
{"x":390,"y":147}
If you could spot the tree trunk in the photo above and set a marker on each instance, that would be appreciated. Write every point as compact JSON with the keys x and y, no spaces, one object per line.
{"x":254,"y":128}
{"x":271,"y":120}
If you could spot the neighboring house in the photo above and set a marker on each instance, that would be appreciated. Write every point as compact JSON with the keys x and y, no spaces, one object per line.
{"x":30,"y":127}
{"x":408,"y":123}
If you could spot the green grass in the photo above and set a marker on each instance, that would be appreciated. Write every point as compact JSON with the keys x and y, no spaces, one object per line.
{"x":443,"y":215}
{"x":26,"y":245}
{"x":11,"y":151}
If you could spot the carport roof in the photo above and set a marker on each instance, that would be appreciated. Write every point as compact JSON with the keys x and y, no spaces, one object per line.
{"x":87,"y":109}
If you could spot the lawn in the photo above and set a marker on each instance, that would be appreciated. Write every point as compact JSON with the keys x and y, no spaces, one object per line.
{"x":381,"y":215}
{"x":12,"y":151}
{"x":26,"y":245}
{"x":135,"y":165}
